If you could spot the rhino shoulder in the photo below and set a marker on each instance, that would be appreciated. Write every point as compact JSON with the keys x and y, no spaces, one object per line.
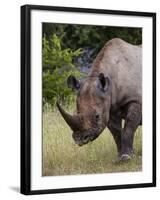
{"x":115,"y":41}
{"x":120,"y":42}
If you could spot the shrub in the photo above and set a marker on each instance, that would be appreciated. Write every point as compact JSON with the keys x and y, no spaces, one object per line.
{"x":57,"y":66}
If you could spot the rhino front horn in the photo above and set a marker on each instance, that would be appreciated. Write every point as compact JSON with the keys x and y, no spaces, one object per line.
{"x":72,"y":121}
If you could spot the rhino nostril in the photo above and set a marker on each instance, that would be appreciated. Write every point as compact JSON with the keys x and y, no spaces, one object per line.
{"x":86,"y":137}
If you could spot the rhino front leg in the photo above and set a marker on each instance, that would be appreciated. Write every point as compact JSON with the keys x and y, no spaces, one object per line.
{"x":132,"y":121}
{"x":115,"y":128}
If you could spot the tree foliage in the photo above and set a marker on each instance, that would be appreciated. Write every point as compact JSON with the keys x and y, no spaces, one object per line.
{"x":80,"y":36}
{"x":57,"y":66}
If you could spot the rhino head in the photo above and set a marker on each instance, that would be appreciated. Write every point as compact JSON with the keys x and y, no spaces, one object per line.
{"x":93,"y":107}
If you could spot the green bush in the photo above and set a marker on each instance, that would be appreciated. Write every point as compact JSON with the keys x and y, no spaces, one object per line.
{"x":57,"y":66}
{"x":92,"y":36}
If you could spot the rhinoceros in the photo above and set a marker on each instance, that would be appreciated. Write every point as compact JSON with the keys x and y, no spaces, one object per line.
{"x":111,"y":92}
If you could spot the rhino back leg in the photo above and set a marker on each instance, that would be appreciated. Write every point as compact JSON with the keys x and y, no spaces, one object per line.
{"x":132,"y":121}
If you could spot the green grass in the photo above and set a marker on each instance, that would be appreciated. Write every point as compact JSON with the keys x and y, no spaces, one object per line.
{"x":61,"y":156}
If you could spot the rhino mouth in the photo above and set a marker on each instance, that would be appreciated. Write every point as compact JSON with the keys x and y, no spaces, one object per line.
{"x":85,"y":141}
{"x":82,"y":138}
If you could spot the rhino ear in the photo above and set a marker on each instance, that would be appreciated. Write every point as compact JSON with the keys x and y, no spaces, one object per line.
{"x":73,"y":83}
{"x":104,"y":82}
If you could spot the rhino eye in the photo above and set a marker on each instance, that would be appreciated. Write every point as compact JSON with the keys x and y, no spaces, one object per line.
{"x":97,"y":117}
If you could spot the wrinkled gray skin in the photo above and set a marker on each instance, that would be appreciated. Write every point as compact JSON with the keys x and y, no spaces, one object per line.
{"x":111,"y":92}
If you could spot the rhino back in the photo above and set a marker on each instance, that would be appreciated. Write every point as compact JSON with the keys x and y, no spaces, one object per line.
{"x":122,"y":62}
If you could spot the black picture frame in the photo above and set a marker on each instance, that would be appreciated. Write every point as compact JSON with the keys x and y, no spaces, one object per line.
{"x":26,"y":98}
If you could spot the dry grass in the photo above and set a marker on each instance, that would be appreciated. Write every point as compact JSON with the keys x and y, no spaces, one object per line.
{"x":61,"y":156}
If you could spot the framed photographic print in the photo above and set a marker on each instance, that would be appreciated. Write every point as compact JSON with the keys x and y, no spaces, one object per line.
{"x":88,"y":99}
